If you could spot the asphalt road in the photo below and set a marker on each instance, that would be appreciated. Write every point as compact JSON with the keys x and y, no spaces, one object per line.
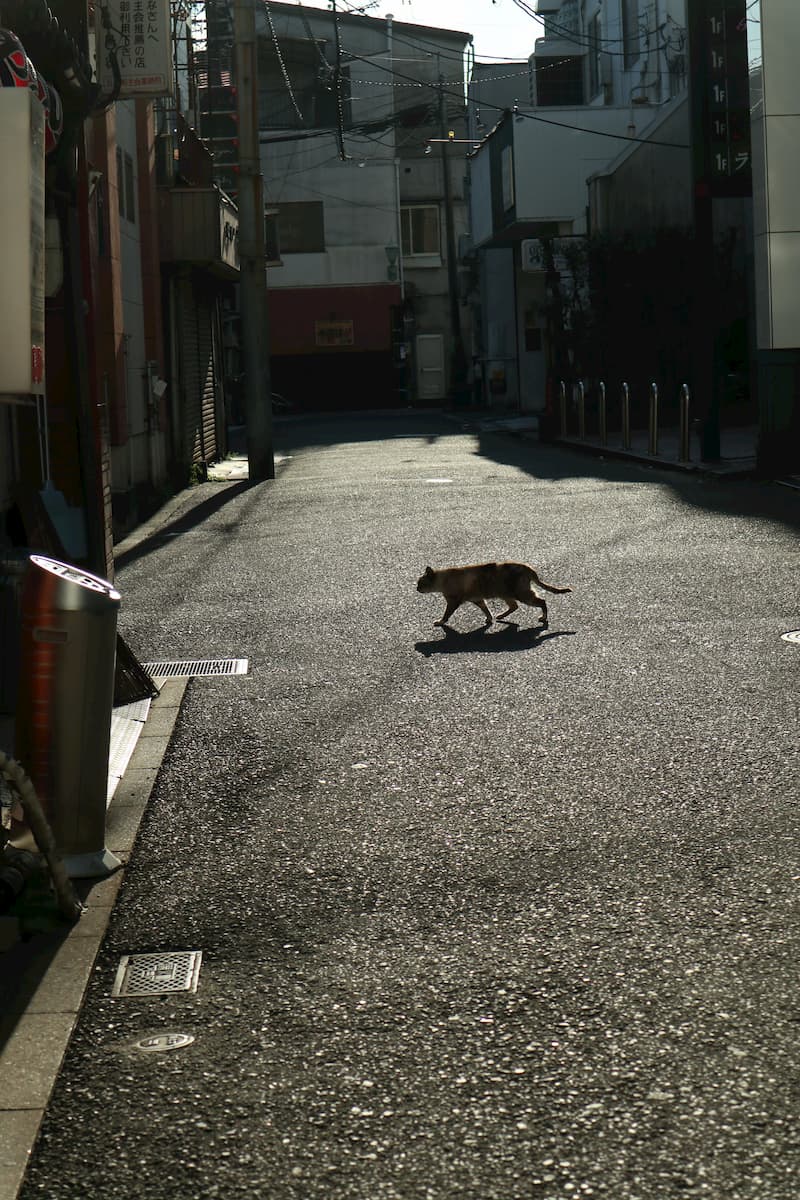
{"x":484,"y":914}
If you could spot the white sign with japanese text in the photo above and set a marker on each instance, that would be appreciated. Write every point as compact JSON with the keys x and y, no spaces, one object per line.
{"x":139,"y":34}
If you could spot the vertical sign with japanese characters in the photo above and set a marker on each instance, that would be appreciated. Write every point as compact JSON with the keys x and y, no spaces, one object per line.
{"x":721,"y":97}
{"x":138,"y":35}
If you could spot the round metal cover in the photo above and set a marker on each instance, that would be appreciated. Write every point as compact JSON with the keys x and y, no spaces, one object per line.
{"x":792,"y":636}
{"x":157,"y":1043}
{"x":69,"y":588}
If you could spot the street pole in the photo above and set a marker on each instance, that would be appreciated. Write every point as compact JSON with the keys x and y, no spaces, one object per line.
{"x":252,"y":255}
{"x":458,"y":370}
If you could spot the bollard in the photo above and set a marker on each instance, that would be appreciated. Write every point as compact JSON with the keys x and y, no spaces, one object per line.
{"x":626,"y":417}
{"x":581,"y":410}
{"x":653,"y":441}
{"x":601,"y":415}
{"x":562,"y":395}
{"x":684,"y":452}
{"x":64,"y":703}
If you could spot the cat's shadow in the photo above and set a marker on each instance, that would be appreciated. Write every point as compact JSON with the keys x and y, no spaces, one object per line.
{"x":488,"y":639}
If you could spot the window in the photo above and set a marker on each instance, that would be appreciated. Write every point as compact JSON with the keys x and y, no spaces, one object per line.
{"x":130,"y":198}
{"x":300,"y":227}
{"x":314,"y":102}
{"x":126,"y":198}
{"x":631,"y":48}
{"x":420,"y":229}
{"x":559,"y":82}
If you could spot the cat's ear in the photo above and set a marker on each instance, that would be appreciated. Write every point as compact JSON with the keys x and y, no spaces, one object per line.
{"x":429,"y":570}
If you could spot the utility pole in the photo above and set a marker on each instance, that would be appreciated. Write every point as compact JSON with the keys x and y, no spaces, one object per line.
{"x":252,"y":255}
{"x":458,"y":361}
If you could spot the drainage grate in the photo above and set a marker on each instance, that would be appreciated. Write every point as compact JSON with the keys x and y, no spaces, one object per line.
{"x":792,"y":636}
{"x":158,"y":974}
{"x":194,"y":667}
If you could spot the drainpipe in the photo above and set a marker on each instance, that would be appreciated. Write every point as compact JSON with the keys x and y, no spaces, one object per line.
{"x":399,"y":229}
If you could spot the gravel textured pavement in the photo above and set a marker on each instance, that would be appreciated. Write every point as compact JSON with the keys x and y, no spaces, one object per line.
{"x":485,"y":914}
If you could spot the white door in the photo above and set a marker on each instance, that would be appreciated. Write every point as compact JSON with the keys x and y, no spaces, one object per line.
{"x":430,"y":366}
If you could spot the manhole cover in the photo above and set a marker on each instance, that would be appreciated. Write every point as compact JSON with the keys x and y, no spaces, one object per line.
{"x":191,"y":668}
{"x":158,"y":974}
{"x":158,"y":1043}
{"x":792,"y":636}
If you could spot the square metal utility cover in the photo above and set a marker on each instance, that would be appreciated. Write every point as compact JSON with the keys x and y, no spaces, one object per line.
{"x":158,"y":974}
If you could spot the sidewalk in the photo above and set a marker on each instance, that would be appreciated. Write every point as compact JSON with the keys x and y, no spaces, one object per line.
{"x":738,"y":450}
{"x":45,"y":964}
{"x":738,"y":446}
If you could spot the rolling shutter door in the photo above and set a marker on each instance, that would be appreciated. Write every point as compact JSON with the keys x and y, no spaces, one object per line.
{"x":196,"y":331}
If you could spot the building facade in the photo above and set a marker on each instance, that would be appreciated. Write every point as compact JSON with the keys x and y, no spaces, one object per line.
{"x":601,"y":84}
{"x":362,"y":128}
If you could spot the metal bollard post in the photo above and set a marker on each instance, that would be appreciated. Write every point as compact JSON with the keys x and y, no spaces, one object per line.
{"x":626,"y":417}
{"x":562,"y":393}
{"x":653,"y":444}
{"x":684,"y":453}
{"x":601,"y":416}
{"x":581,"y":410}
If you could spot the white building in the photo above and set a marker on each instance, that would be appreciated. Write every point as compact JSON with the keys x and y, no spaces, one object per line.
{"x":363,"y":223}
{"x":602,"y":81}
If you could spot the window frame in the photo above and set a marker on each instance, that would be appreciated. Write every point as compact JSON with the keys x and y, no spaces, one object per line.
{"x":316,"y":235}
{"x":406,"y":211}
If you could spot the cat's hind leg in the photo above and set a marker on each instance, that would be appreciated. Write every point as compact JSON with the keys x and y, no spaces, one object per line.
{"x":535,"y":601}
{"x":512,"y":605}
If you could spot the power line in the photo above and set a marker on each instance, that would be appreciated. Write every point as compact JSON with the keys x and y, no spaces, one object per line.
{"x":284,"y":71}
{"x":427,"y":84}
{"x":622,"y":137}
{"x":344,"y":200}
{"x":570,"y":35}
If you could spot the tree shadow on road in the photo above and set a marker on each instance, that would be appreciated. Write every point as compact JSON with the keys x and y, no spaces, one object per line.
{"x":481,"y":641}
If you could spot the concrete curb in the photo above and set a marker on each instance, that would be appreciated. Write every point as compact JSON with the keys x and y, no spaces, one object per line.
{"x":725,"y":469}
{"x":45,"y":979}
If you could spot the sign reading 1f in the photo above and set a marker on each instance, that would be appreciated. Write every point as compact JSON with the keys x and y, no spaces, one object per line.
{"x":721,"y":99}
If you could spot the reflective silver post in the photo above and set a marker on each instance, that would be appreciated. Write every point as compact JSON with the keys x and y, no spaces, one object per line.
{"x":602,"y":415}
{"x":653,"y":444}
{"x":684,"y":451}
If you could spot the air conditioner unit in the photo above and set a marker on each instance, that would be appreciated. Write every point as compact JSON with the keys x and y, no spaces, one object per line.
{"x":466,"y":249}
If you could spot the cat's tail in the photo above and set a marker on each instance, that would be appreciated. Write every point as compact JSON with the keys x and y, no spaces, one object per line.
{"x":548,"y":587}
